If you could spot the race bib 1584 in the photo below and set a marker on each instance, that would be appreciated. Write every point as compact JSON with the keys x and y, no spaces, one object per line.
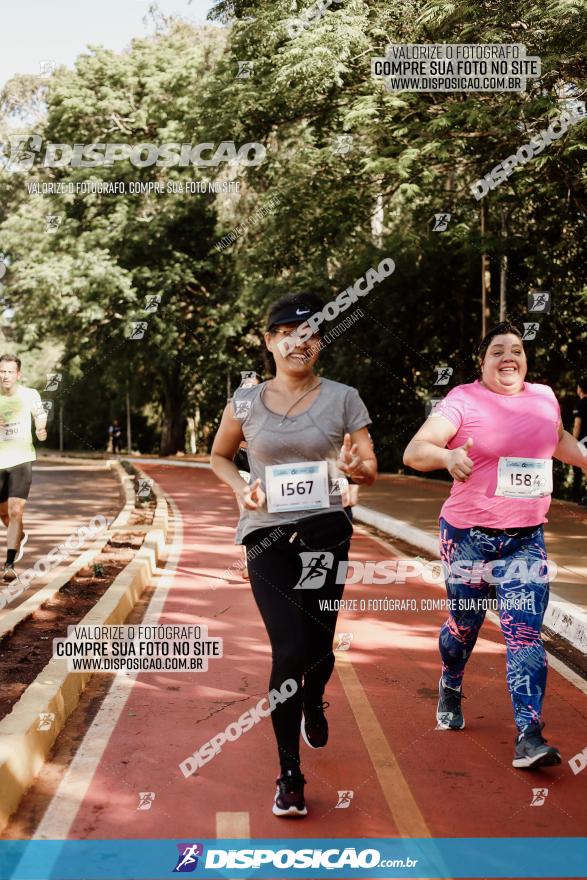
{"x":524,"y":477}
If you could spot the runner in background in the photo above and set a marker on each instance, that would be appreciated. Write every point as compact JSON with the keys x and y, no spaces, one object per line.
{"x":17,"y":453}
{"x":303,"y":432}
{"x":496,"y":437}
{"x":115,"y":436}
{"x":580,"y":433}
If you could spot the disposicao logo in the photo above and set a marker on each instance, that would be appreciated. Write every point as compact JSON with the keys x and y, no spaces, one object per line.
{"x":23,"y":151}
{"x":187,"y":860}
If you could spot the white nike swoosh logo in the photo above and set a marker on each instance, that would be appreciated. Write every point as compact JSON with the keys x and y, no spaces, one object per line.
{"x":303,"y":312}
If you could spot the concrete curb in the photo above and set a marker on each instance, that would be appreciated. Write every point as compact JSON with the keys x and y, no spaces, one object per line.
{"x":23,"y":745}
{"x":397,"y":528}
{"x":565,"y":619}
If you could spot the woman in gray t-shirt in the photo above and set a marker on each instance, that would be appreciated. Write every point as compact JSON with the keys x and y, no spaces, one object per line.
{"x":304,"y":435}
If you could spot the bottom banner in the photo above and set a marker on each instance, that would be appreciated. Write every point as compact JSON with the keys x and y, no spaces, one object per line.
{"x":294,"y":857}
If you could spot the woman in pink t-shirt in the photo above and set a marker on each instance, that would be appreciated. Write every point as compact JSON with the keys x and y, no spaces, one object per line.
{"x":497,"y":437}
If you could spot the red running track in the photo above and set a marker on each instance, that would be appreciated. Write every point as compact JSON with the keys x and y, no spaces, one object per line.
{"x":407,"y":778}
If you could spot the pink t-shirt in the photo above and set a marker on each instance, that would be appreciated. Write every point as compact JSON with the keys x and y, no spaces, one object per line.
{"x":520,"y":425}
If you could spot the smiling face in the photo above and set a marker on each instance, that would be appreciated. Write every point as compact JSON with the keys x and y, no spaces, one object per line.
{"x":504,"y":366}
{"x":301,"y":359}
{"x":9,"y":375}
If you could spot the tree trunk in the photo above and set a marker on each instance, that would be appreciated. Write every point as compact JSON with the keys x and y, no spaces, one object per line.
{"x":503,"y":274}
{"x":174,"y":424}
{"x":485,"y":272}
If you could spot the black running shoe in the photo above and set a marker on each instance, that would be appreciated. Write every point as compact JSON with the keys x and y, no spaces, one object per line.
{"x":289,"y":797}
{"x":315,"y":725}
{"x":448,"y":712}
{"x":532,"y":749}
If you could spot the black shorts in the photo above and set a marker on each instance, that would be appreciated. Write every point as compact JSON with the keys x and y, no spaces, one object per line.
{"x":15,"y":482}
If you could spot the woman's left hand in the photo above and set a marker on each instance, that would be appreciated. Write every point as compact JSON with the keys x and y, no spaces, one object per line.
{"x":349,"y":460}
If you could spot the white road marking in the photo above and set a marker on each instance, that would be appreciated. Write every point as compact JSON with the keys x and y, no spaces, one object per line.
{"x":66,"y":801}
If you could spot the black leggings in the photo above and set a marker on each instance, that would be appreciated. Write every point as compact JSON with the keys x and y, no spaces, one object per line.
{"x":300,"y":631}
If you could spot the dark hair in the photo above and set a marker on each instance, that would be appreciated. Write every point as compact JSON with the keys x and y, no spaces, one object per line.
{"x":498,"y":330}
{"x":11,"y":357}
{"x":582,"y":383}
{"x":309,"y":300}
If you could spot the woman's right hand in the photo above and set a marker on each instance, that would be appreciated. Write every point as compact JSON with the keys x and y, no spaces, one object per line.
{"x":252,"y":497}
{"x":458,"y":463}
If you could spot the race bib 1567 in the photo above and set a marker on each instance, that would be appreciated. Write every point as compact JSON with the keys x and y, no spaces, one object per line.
{"x":299,"y":486}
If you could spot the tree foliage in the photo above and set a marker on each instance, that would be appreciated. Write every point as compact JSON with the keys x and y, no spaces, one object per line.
{"x":360,"y":173}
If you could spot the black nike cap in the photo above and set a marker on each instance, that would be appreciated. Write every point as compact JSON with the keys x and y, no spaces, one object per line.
{"x":294,"y":308}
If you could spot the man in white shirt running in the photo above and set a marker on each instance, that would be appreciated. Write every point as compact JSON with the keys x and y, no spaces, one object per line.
{"x":17,"y":453}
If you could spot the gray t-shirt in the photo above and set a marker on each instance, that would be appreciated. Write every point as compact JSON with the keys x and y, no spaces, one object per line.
{"x":314,"y":435}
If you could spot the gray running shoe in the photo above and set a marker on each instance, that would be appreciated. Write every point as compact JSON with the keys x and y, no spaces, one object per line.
{"x":532,"y":749}
{"x":448,"y":712}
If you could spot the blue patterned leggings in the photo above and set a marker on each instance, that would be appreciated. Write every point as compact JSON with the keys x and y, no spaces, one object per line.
{"x":518,"y":568}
